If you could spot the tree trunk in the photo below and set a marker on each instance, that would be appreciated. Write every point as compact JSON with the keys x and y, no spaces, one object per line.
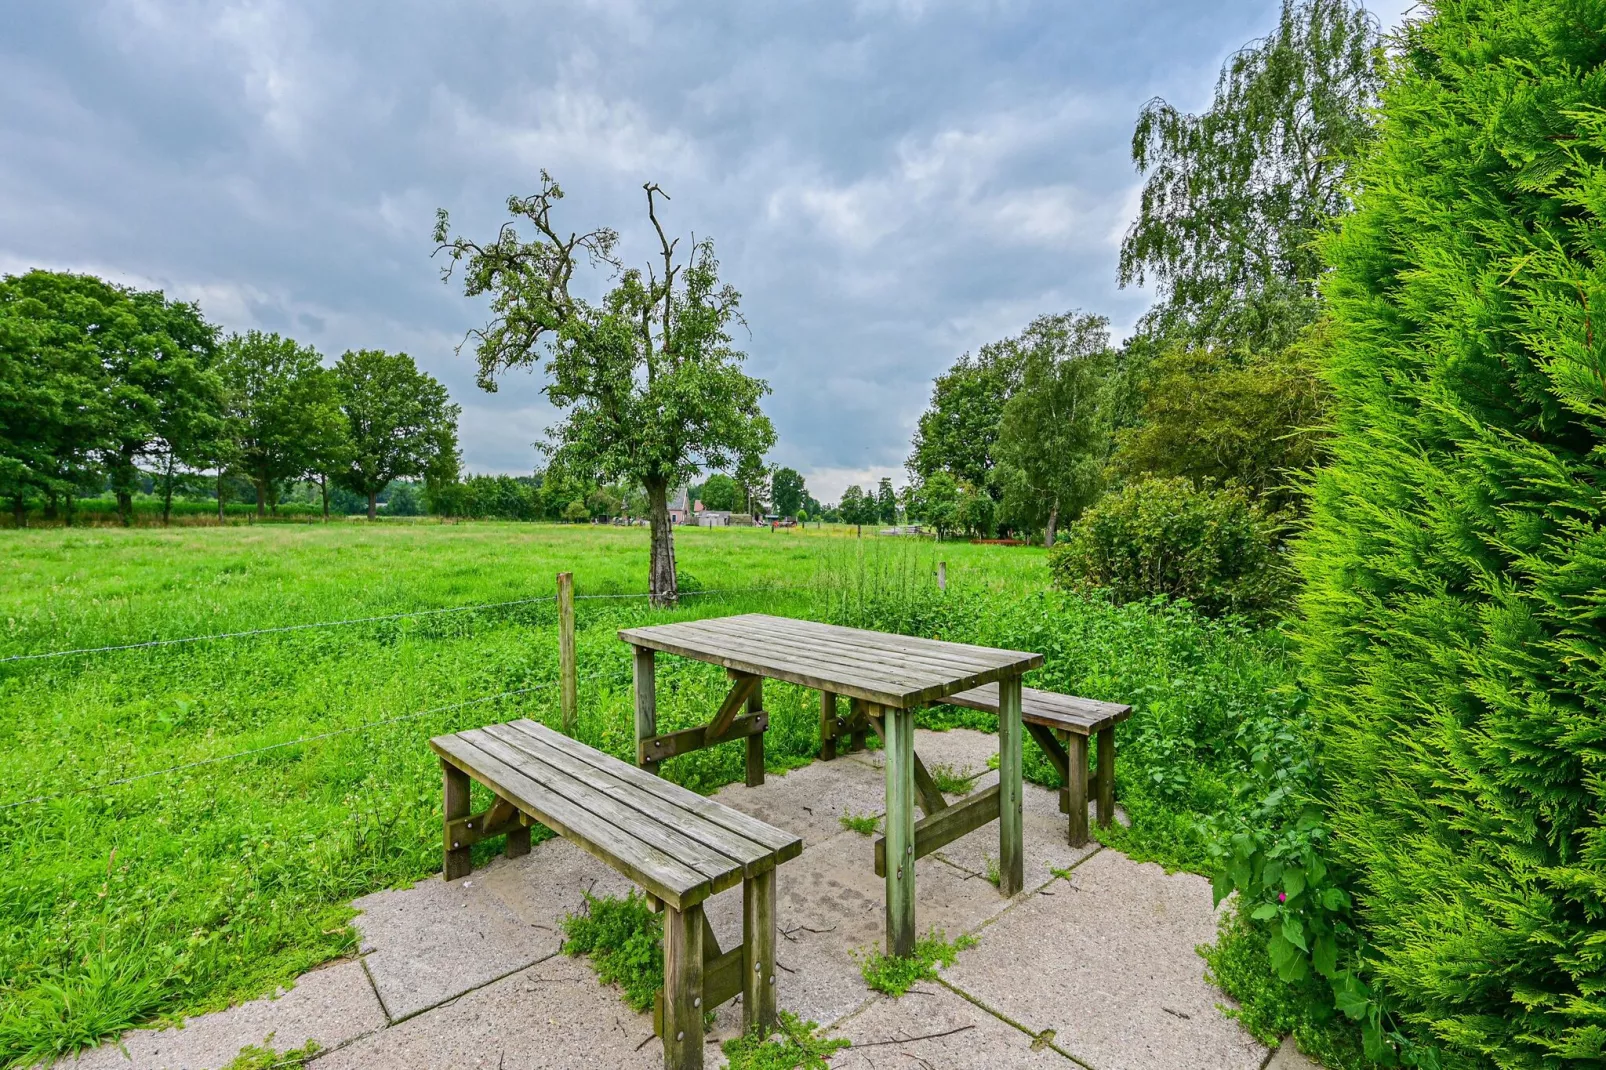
{"x":262,"y":498}
{"x":51,"y":506}
{"x":323,"y":483}
{"x":373,"y":504}
{"x":19,"y":510}
{"x":220,"y":494}
{"x":125,"y":507}
{"x":661,"y":583}
{"x":1053,"y":524}
{"x":167,"y":491}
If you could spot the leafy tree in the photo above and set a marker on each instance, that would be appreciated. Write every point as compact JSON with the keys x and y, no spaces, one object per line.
{"x":976,"y":512}
{"x":403,"y":501}
{"x":136,"y":367}
{"x":753,"y":477}
{"x":787,"y":486}
{"x":576,"y":512}
{"x":1451,"y":630}
{"x":283,"y":408}
{"x":52,"y":408}
{"x":1055,"y":431}
{"x":604,"y":503}
{"x":886,"y":502}
{"x":936,"y":502}
{"x":854,"y":510}
{"x":720,"y":493}
{"x":1215,"y":419}
{"x":651,"y":388}
{"x":959,"y":431}
{"x":397,"y":417}
{"x":1234,"y":199}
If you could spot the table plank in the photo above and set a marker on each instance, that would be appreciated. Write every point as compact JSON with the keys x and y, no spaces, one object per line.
{"x":889,"y":670}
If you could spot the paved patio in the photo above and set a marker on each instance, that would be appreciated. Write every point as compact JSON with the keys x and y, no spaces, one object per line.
{"x":1093,"y":968}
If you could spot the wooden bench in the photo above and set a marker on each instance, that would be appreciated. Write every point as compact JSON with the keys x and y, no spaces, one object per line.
{"x":677,"y":845}
{"x":1048,"y":715}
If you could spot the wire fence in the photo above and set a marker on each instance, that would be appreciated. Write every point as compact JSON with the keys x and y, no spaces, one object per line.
{"x":91,"y":789}
{"x":362,"y":620}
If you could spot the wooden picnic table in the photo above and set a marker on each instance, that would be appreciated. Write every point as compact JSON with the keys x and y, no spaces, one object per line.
{"x":888,"y":677}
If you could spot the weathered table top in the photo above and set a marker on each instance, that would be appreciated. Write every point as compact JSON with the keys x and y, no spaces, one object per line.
{"x":677,"y":844}
{"x":890,"y":670}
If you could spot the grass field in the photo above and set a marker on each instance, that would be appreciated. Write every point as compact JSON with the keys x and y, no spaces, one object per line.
{"x":181,"y":891}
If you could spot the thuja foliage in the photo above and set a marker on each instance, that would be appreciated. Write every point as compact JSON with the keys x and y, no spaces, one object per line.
{"x":625,"y":941}
{"x":1453,"y":637}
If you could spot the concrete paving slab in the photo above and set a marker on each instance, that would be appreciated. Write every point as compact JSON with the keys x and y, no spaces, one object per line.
{"x":438,"y":939}
{"x":552,"y":1015}
{"x":331,"y":1005}
{"x":1043,"y":838}
{"x":960,"y":749}
{"x":550,"y":883}
{"x":830,"y":906}
{"x":809,"y":802}
{"x":975,"y":1040}
{"x":1108,"y":963}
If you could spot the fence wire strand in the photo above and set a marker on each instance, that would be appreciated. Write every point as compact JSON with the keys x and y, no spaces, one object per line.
{"x":358,"y":620}
{"x":184,"y":766}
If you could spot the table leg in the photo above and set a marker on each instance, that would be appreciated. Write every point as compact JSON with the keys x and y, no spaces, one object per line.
{"x":1011,"y":859}
{"x":758,"y":952}
{"x":646,"y":700}
{"x":683,"y":988}
{"x":755,"y":742}
{"x":455,"y":806}
{"x":900,"y":828}
{"x":827,"y":726}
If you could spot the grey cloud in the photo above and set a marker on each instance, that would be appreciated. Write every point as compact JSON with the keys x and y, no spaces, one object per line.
{"x":889,"y":184}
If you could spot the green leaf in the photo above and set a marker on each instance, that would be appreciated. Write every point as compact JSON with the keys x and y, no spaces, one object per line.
{"x":1286,"y":959}
{"x":1265,"y":912}
{"x":1293,"y":881}
{"x":1324,"y":955}
{"x":1351,"y":996}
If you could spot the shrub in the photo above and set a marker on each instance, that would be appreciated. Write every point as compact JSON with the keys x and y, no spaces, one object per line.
{"x":1212,"y":547}
{"x":1453,"y":634}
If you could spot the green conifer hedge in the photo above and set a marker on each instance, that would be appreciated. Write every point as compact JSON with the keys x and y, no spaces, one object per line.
{"x":1455,"y":615}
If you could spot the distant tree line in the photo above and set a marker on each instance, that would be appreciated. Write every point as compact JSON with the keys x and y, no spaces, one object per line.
{"x":108,"y":389}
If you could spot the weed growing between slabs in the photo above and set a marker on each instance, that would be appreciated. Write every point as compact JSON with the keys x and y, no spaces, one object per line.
{"x":624,"y":938}
{"x":895,"y":976}
{"x":794,"y":1045}
{"x":863,"y":824}
{"x":252,"y":1057}
{"x":951,"y":781}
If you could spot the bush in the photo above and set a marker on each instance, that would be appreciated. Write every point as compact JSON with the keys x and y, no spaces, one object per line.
{"x":1453,"y":633}
{"x":1212,"y":547}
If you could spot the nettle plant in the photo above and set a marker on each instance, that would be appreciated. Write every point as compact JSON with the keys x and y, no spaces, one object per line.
{"x":1274,"y":853}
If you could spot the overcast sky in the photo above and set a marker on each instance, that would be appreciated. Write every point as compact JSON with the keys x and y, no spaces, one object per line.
{"x":889,"y":184}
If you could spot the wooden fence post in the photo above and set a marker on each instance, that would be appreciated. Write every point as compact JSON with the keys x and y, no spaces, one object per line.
{"x":568,"y":679}
{"x":942,"y":576}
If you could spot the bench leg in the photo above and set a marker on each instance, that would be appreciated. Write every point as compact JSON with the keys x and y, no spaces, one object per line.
{"x":683,"y":988}
{"x":758,"y":952}
{"x":755,"y":742}
{"x":455,"y":807}
{"x":1076,"y":787}
{"x":1011,"y":848}
{"x":900,"y":829}
{"x":827,"y":726}
{"x":1106,"y":761}
{"x":857,"y":729}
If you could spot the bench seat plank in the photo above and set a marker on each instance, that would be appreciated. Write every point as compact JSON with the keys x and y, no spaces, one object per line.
{"x":649,"y":867}
{"x":1084,"y":716}
{"x":785,"y":844}
{"x":723,"y":872}
{"x":754,"y":857}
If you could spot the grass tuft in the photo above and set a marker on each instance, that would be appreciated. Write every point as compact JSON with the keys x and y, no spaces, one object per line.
{"x":951,"y":781}
{"x":863,"y":824}
{"x":895,"y":975}
{"x":252,"y":1057}
{"x":625,"y":941}
{"x":795,"y":1045}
